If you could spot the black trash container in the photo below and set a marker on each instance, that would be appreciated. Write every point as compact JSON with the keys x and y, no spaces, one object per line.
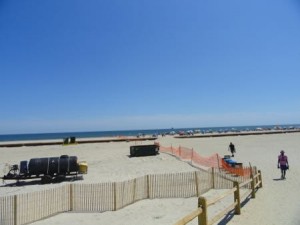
{"x":66,"y":141}
{"x":144,"y":150}
{"x":72,"y":140}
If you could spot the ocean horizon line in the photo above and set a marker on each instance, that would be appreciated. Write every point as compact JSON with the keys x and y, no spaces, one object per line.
{"x":134,"y":132}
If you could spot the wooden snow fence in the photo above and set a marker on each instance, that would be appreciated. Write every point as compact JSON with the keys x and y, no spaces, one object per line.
{"x":26,"y":208}
{"x":7,"y":210}
{"x":201,"y":212}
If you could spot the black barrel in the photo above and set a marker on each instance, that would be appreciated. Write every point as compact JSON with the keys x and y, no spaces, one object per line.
{"x":23,"y":167}
{"x":68,"y":164}
{"x":53,"y":165}
{"x":38,"y":166}
{"x":73,"y":165}
{"x":63,"y":164}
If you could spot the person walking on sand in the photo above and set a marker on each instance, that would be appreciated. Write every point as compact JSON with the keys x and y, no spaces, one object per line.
{"x":231,"y":148}
{"x":283,"y":163}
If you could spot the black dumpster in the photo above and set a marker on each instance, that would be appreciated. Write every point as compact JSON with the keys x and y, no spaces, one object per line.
{"x":144,"y":150}
{"x":72,"y":140}
{"x":66,"y":141}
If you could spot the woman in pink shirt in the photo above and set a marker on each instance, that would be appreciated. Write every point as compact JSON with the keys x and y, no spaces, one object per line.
{"x":283,"y":163}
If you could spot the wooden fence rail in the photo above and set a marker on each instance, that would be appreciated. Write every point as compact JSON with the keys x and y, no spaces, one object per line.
{"x":190,"y":217}
{"x":203,"y":203}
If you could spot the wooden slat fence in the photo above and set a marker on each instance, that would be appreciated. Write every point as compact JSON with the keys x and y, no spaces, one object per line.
{"x":179,"y":185}
{"x":79,"y":197}
{"x":222,"y":179}
{"x":125,"y":193}
{"x":93,"y":197}
{"x":36,"y":205}
{"x":7,"y":210}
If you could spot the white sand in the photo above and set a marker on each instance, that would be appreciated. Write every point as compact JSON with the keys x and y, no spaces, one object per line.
{"x":276,"y":203}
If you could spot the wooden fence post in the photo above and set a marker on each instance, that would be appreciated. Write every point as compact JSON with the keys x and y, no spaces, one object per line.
{"x":115,"y":196}
{"x":252,"y":186}
{"x":255,"y":172}
{"x":213,"y":177}
{"x":197,"y":186}
{"x":134,"y":189}
{"x":71,"y":197}
{"x":252,"y":182}
{"x":218,"y":160}
{"x":15,"y":210}
{"x":202,"y":218}
{"x":148,"y":191}
{"x":237,"y":198}
{"x":260,"y":179}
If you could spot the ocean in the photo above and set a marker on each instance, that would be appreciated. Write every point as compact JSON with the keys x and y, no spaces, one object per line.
{"x":95,"y":134}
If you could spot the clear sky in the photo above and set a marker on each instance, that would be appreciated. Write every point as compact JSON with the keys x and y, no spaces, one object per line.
{"x":70,"y":65}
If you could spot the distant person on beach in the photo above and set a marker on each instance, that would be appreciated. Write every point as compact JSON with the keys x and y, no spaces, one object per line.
{"x":283,"y":163}
{"x":231,"y":148}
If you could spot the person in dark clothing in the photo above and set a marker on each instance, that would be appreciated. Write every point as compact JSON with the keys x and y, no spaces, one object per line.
{"x":231,"y":148}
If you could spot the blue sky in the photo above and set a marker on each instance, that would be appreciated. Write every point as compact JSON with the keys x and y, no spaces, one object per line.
{"x":73,"y":65}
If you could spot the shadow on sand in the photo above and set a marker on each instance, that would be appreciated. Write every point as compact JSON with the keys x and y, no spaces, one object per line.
{"x":37,"y":181}
{"x":231,"y":214}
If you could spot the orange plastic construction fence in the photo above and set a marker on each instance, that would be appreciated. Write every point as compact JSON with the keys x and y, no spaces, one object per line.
{"x":215,"y":160}
{"x":187,"y":154}
{"x":238,"y":170}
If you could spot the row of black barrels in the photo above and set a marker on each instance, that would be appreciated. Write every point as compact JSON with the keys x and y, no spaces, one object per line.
{"x":49,"y":166}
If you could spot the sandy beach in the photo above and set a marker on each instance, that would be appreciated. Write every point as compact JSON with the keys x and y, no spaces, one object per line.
{"x":276,"y":203}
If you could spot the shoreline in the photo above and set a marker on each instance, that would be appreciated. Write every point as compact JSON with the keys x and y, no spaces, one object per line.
{"x":243,"y":133}
{"x":78,"y":141}
{"x":9,"y":144}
